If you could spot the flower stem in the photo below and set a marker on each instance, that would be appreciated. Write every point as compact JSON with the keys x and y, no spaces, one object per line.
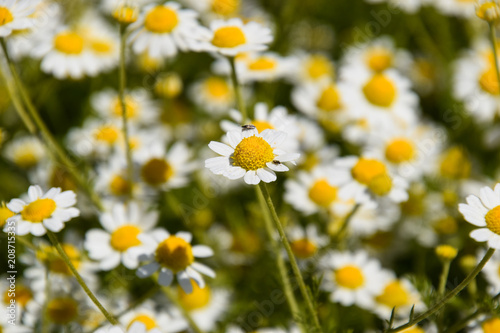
{"x":493,"y":41}
{"x":291,"y":256}
{"x":173,"y":298}
{"x":64,"y":256}
{"x":442,"y":302}
{"x":346,"y":221}
{"x":237,"y":91}
{"x":444,"y":277}
{"x":123,"y":103}
{"x":280,"y":262}
{"x":463,"y":323}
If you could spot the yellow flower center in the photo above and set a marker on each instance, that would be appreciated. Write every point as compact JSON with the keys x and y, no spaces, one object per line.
{"x":217,"y":88}
{"x":366,"y":170}
{"x":125,"y":14}
{"x":22,"y":295}
{"x":303,"y":248}
{"x":5,"y":16}
{"x":101,"y":46}
{"x":149,"y":322}
{"x":38,"y":210}
{"x":493,"y":220}
{"x":310,"y":161}
{"x":199,"y":298}
{"x":491,"y":325}
{"x":381,"y":184}
{"x":329,"y":100}
{"x":446,"y":226}
{"x":125,"y":237}
{"x":446,"y":252}
{"x":455,"y":164}
{"x":379,"y":59}
{"x":156,"y":171}
{"x":414,"y":329}
{"x":131,"y":107}
{"x":5,"y":213}
{"x":62,"y":310}
{"x":488,"y":11}
{"x":225,"y":7}
{"x":400,"y":150}
{"x":262,"y":125}
{"x":108,"y":134}
{"x":69,"y":43}
{"x":380,"y":90}
{"x":262,"y":64}
{"x":350,"y":277}
{"x":119,"y":186}
{"x":318,"y":66}
{"x":228,"y":37}
{"x":174,"y":253}
{"x":252,"y":153}
{"x":488,"y":81}
{"x":26,"y":158}
{"x":322,"y":193}
{"x":57,"y":265}
{"x":394,"y":295}
{"x":161,"y":20}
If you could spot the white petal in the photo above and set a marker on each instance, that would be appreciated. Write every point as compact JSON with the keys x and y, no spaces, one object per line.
{"x":221,"y":148}
{"x":147,"y":270}
{"x":203,"y":269}
{"x":252,"y":178}
{"x":34,"y":192}
{"x":472,"y":215}
{"x":481,"y":235}
{"x":187,"y":236}
{"x":185,"y":282}
{"x":37,"y":229}
{"x":266,"y":175}
{"x":202,"y":251}
{"x":165,"y":277}
{"x":196,"y":277}
{"x":16,"y":205}
{"x":53,"y":224}
{"x":112,"y":261}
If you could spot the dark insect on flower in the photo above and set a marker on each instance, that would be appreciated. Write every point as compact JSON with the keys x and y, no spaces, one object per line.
{"x":276,"y":162}
{"x":247,"y":127}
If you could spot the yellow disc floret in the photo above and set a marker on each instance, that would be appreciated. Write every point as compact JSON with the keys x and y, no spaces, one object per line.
{"x":379,"y":59}
{"x":394,"y":295}
{"x":455,"y":164}
{"x":38,"y":210}
{"x":119,"y":185}
{"x":262,"y":125}
{"x":491,"y":325}
{"x":5,"y":16}
{"x":366,"y":169}
{"x":322,"y":193}
{"x":303,"y":248}
{"x":156,"y":171}
{"x":131,"y":107}
{"x":381,"y":184}
{"x":400,"y":150}
{"x":69,"y":43}
{"x":228,"y":37}
{"x":380,"y":90}
{"x":107,"y":134}
{"x":161,"y":20}
{"x":125,"y":237}
{"x":197,"y":299}
{"x":62,"y":310}
{"x":446,"y":252}
{"x":329,"y":100}
{"x":174,"y":253}
{"x":488,"y":81}
{"x":350,"y":277}
{"x":147,"y":320}
{"x":217,"y":88}
{"x":262,"y":64}
{"x":5,"y":213}
{"x":225,"y":7}
{"x":253,"y":153}
{"x":318,"y":66}
{"x":493,"y":220}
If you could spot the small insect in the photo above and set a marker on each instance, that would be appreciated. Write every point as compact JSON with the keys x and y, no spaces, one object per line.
{"x":276,"y":162}
{"x":247,"y":127}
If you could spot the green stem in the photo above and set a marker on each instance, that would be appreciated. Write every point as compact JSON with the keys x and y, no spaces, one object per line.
{"x":442,"y":302}
{"x":291,"y":256}
{"x":495,"y":52}
{"x":444,"y":277}
{"x":64,"y":256}
{"x":463,"y":323}
{"x":347,"y":219}
{"x":173,"y":298}
{"x":280,"y":262}
{"x":123,"y":103}
{"x":237,"y":91}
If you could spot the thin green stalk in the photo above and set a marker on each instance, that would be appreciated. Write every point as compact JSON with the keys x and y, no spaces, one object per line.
{"x":237,"y":91}
{"x":444,"y":277}
{"x":442,"y":302}
{"x":293,"y":262}
{"x":280,"y":262}
{"x":463,"y":323}
{"x":493,"y":40}
{"x":123,"y":103}
{"x":64,"y":256}
{"x":173,"y":298}
{"x":347,"y":219}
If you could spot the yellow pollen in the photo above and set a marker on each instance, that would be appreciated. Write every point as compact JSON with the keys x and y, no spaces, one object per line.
{"x":156,"y":171}
{"x":174,"y":253}
{"x":262,"y":125}
{"x":199,"y":298}
{"x":380,"y":91}
{"x":262,"y":64}
{"x":217,"y":88}
{"x":322,"y":193}
{"x":488,"y":81}
{"x":161,"y":20}
{"x":69,"y":43}
{"x":131,"y":107}
{"x":38,"y":210}
{"x":318,"y":66}
{"x":303,"y":248}
{"x":5,"y":16}
{"x":493,"y":220}
{"x":5,"y":213}
{"x":225,"y":7}
{"x":491,"y":325}
{"x":125,"y":237}
{"x":22,"y":295}
{"x":366,"y":170}
{"x":394,"y":295}
{"x":57,"y":265}
{"x":379,"y":59}
{"x":101,"y":46}
{"x":61,"y":178}
{"x":381,"y":184}
{"x":108,"y":134}
{"x":149,"y":322}
{"x":62,"y":310}
{"x":253,"y":153}
{"x":119,"y":186}
{"x":228,"y":37}
{"x":455,"y":164}
{"x":400,"y":150}
{"x":329,"y":100}
{"x":349,"y":277}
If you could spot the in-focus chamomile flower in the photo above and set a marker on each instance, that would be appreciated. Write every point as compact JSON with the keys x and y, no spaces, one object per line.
{"x":119,"y":242}
{"x":43,"y":211}
{"x":352,"y":278}
{"x":484,"y":212}
{"x":174,"y":255}
{"x":232,"y":37}
{"x":250,"y":154}
{"x":212,"y":94}
{"x":163,"y":30}
{"x":16,"y":15}
{"x":305,"y":242}
{"x":25,"y":152}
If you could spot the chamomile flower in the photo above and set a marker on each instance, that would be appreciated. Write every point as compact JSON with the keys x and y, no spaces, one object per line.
{"x":232,"y":37}
{"x":174,"y":255}
{"x":155,"y":321}
{"x":112,"y":178}
{"x":163,"y":30}
{"x":43,"y":211}
{"x":305,"y":242}
{"x":96,"y":138}
{"x":26,"y":152}
{"x":250,"y":154}
{"x":119,"y":242}
{"x":5,"y":214}
{"x":458,"y":8}
{"x":213,"y":94}
{"x":215,"y":8}
{"x":484,"y":212}
{"x":372,"y":217}
{"x":267,"y":66}
{"x":352,"y":278}
{"x":311,"y":68}
{"x":486,"y":325}
{"x":16,"y":15}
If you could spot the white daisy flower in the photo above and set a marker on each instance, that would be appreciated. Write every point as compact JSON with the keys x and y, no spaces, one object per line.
{"x":305,"y":242}
{"x":311,"y":68}
{"x":43,"y":211}
{"x":232,"y":37}
{"x":267,"y":66}
{"x":250,"y":154}
{"x":163,"y":30}
{"x":173,"y":255}
{"x":352,"y":278}
{"x":26,"y":152}
{"x":119,"y":242}
{"x":112,"y":178}
{"x":96,"y":138}
{"x":212,"y":9}
{"x":484,"y":212}
{"x":16,"y":15}
{"x":153,"y":320}
{"x":212,"y":94}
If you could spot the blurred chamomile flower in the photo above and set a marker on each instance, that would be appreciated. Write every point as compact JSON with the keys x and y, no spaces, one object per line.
{"x":213,"y":95}
{"x":26,"y":151}
{"x":305,"y":242}
{"x":16,"y":15}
